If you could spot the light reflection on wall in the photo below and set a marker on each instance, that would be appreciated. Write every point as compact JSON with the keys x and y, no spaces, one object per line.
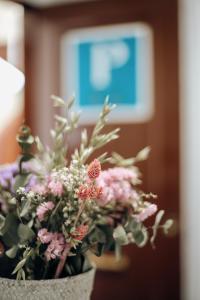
{"x":11,"y":49}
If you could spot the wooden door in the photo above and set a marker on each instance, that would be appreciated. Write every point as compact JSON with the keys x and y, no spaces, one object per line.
{"x":153,"y":274}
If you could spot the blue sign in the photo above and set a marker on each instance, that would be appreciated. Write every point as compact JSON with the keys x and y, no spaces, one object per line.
{"x":107,"y":68}
{"x":112,"y":61}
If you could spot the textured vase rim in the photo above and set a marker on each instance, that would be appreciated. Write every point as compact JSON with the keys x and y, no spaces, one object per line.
{"x":49,"y":281}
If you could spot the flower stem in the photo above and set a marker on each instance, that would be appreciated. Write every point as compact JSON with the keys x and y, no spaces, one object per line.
{"x":62,"y":262}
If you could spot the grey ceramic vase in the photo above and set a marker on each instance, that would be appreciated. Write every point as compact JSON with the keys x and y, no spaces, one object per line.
{"x":77,"y":287}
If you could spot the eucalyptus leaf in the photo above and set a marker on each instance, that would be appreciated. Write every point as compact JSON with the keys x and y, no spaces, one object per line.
{"x":39,"y":144}
{"x":140,"y":237}
{"x":9,"y":230}
{"x":21,"y":180}
{"x":25,"y":207}
{"x":167,"y":225}
{"x":12,"y":252}
{"x":155,"y":227}
{"x":2,"y":221}
{"x":25,"y":233}
{"x":120,"y":236}
{"x":19,"y":266}
{"x":143,"y":154}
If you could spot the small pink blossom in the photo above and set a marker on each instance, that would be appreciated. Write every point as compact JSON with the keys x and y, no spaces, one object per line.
{"x":80,"y":232}
{"x":83,"y":192}
{"x":56,"y":247}
{"x":55,"y":187}
{"x":89,"y":192}
{"x":44,"y":236}
{"x":94,"y":169}
{"x":43,"y":209}
{"x":116,"y":184}
{"x":118,"y":174}
{"x":95,"y":192}
{"x":146,"y":213}
{"x":39,"y":189}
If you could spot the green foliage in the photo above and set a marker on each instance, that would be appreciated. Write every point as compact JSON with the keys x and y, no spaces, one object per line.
{"x":9,"y":230}
{"x":120,"y":235}
{"x":12,"y":252}
{"x":25,"y":233}
{"x":60,"y":208}
{"x":167,"y":225}
{"x":156,"y":225}
{"x":97,"y":139}
{"x":21,"y":180}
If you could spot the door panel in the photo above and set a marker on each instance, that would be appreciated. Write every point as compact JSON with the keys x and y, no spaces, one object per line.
{"x":153,"y":274}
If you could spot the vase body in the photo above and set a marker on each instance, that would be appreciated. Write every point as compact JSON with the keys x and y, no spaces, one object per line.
{"x":77,"y":287}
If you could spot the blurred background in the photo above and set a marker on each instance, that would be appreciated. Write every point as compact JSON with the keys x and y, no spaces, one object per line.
{"x":145,"y":55}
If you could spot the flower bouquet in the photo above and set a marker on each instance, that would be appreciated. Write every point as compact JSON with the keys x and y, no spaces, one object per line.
{"x":55,"y":210}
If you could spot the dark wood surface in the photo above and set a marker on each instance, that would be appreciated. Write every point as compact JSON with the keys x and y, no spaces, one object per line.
{"x":154,"y":274}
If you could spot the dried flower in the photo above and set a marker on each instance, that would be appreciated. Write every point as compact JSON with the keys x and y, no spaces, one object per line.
{"x":80,"y":232}
{"x":56,"y":246}
{"x":44,"y":236}
{"x":55,"y":203}
{"x":43,"y":209}
{"x":94,"y":169}
{"x":83,"y":192}
{"x":39,"y":189}
{"x":55,"y":187}
{"x":116,"y":185}
{"x":95,"y":192}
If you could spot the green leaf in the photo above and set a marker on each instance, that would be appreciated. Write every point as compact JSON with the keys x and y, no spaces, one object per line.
{"x":19,"y":266}
{"x":21,"y":180}
{"x":143,"y":154}
{"x":26,"y":157}
{"x":70,"y":101}
{"x":2,"y":222}
{"x":57,"y":101}
{"x":9,"y":230}
{"x":12,"y":252}
{"x":120,"y":236}
{"x":167,"y":225}
{"x":132,"y":225}
{"x":25,"y":233}
{"x":25,"y":208}
{"x":140,"y":237}
{"x":39,"y":144}
{"x":21,"y":275}
{"x":158,"y":219}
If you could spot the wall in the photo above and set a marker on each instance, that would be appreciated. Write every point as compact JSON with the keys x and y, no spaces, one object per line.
{"x":190,"y":145}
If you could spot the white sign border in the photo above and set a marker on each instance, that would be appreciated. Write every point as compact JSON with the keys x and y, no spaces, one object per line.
{"x":144,"y":110}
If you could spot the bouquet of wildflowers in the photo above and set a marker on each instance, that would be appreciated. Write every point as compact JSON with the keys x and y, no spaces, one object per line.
{"x":54,"y":211}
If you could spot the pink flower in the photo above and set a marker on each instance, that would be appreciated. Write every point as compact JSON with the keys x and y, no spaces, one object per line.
{"x":55,"y":187}
{"x":118,"y":174}
{"x":56,"y":247}
{"x":40,"y":189}
{"x":95,"y":192}
{"x":146,"y":213}
{"x":94,"y":169}
{"x":43,"y":209}
{"x":89,"y":192}
{"x":44,"y":236}
{"x":116,"y":184}
{"x":83,"y":192}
